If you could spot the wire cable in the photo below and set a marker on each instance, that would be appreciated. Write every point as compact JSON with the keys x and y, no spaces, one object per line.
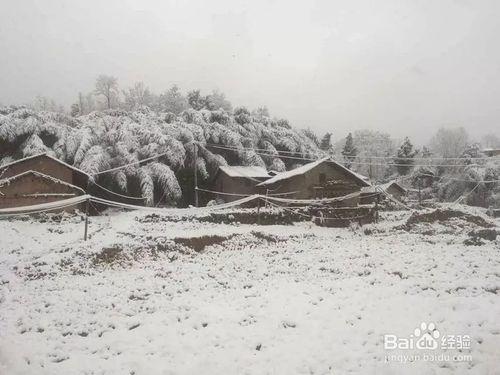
{"x":114,"y":193}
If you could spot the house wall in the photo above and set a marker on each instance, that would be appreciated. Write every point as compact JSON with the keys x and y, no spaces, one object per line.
{"x":233,"y":185}
{"x":370,"y":197}
{"x":309,"y":186}
{"x":16,"y":193}
{"x":395,"y":192}
{"x":42,"y":164}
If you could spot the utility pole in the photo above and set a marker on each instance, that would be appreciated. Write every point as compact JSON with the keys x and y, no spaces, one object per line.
{"x":195,"y":174}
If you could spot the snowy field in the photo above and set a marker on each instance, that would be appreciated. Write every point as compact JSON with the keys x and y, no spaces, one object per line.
{"x":141,"y":296}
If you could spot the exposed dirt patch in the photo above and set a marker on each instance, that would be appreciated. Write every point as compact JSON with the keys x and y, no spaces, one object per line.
{"x":252,"y":217}
{"x":108,"y":255}
{"x":444,"y":217}
{"x":474,"y":241}
{"x":485,"y":234}
{"x":242,"y":217}
{"x":155,"y":218}
{"x":198,"y":244}
{"x":267,"y":237}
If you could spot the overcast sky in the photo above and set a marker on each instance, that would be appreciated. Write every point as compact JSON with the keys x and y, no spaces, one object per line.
{"x":402,"y":66}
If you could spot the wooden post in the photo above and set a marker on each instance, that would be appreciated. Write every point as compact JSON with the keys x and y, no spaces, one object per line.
{"x":376,"y":208}
{"x":195,"y":174}
{"x":370,"y":171}
{"x":419,"y":190}
{"x":86,"y":220}
{"x":258,"y":211}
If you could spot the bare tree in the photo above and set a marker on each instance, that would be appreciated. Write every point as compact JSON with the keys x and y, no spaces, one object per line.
{"x":449,"y":142}
{"x":107,"y":86}
{"x":43,"y":103}
{"x":137,"y":96}
{"x":490,"y":140}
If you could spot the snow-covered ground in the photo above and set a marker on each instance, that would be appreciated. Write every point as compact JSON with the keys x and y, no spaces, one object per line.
{"x":136,"y":298}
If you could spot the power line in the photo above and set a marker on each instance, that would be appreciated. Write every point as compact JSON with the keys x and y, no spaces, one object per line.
{"x":266,"y":152}
{"x":117,"y":194}
{"x":259,"y":149}
{"x":245,"y":195}
{"x":458,"y":179}
{"x":350,"y":162}
{"x":229,"y":148}
{"x":129,"y":164}
{"x":364,"y":156}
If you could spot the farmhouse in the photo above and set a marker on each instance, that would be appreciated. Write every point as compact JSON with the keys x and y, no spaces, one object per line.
{"x":234,"y":182}
{"x":323,"y":178}
{"x":47,"y":165}
{"x":39,"y":179}
{"x":394,"y":189}
{"x":371,"y":194}
{"x":31,"y":188}
{"x":491,"y":152}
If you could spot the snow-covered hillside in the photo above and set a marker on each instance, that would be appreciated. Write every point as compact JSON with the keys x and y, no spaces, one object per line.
{"x":153,"y":295}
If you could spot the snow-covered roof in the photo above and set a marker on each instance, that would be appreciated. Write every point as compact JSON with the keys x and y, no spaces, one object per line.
{"x":491,"y":151}
{"x":244,"y":171}
{"x":307,"y":167}
{"x":382,"y":187}
{"x":7,"y":181}
{"x":46,"y":155}
{"x":387,"y":185}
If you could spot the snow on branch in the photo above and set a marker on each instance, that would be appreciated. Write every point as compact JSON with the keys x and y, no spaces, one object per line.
{"x":166,"y":179}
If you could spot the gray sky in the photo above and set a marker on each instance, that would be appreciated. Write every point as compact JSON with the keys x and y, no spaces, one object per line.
{"x":402,"y":66}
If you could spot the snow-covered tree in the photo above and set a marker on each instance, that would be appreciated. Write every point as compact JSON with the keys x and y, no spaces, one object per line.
{"x":261,"y":112}
{"x":349,"y":151}
{"x":137,"y":96}
{"x":217,"y":100}
{"x":172,"y":101}
{"x":107,"y":86}
{"x":374,"y":151}
{"x":490,"y":141}
{"x":75,"y":110}
{"x":404,"y":157}
{"x":326,"y":142}
{"x":196,"y":100}
{"x":449,"y":142}
{"x":42,"y":103}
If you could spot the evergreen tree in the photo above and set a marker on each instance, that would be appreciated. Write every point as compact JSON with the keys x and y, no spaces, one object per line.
{"x":311,"y":135}
{"x":349,"y":151}
{"x":326,"y":142}
{"x":404,"y":159}
{"x":75,"y":110}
